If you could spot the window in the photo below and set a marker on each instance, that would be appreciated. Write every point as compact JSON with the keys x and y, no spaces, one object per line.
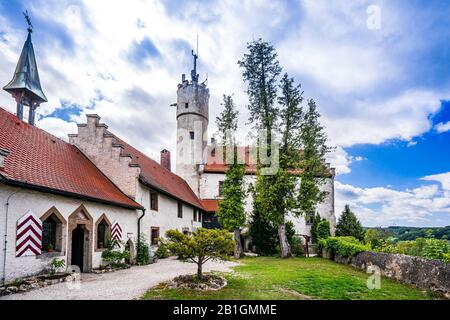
{"x":101,"y":234}
{"x":48,"y":235}
{"x":195,"y":214}
{"x":309,"y":218}
{"x":154,"y":236}
{"x":180,"y":209}
{"x":191,"y":133}
{"x":213,"y":152}
{"x":199,"y":217}
{"x":186,"y":105}
{"x":220,"y":188}
{"x":52,"y":229}
{"x":154,"y":200}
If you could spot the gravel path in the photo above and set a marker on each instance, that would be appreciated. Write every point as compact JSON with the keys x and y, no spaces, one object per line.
{"x":120,"y":285}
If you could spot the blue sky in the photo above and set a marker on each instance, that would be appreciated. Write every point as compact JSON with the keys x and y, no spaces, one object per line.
{"x":384,"y":93}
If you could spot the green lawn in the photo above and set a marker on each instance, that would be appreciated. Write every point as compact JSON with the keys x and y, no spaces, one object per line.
{"x":297,"y":278}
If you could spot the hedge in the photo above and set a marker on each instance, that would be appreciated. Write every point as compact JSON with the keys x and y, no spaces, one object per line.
{"x":344,"y":246}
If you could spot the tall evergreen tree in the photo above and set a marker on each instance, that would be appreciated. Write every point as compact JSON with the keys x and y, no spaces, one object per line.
{"x":314,"y":148}
{"x":231,"y":213}
{"x":260,"y":72}
{"x":283,"y":187}
{"x":227,"y":123}
{"x":349,"y":225}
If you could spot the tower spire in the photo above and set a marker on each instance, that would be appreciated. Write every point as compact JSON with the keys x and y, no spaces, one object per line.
{"x":194,"y":75}
{"x":25,"y":86}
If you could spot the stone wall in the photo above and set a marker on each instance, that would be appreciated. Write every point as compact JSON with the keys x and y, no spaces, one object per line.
{"x":424,"y":273}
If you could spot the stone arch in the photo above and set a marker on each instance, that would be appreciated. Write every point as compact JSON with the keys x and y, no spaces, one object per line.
{"x":81,"y":217}
{"x":104,"y":218}
{"x":61,"y":234}
{"x":130,"y":246}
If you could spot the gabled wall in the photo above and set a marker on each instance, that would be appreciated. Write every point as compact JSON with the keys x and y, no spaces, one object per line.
{"x":101,"y":148}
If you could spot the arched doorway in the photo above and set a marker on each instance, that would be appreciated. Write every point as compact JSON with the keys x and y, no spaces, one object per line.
{"x":80,"y":240}
{"x":78,"y":247}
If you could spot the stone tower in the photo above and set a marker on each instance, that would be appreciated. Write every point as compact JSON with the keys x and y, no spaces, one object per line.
{"x":192,"y":127}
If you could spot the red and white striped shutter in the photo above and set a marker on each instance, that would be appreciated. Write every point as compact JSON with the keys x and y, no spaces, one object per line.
{"x":28,"y":235}
{"x":116,"y":231}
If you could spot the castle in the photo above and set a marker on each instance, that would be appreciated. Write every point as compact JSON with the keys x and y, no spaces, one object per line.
{"x":65,"y":199}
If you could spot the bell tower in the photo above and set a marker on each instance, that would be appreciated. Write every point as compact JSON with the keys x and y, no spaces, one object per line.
{"x":25,"y":87}
{"x":192,"y":126}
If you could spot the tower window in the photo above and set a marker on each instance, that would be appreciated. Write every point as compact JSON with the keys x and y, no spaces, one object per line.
{"x":191,"y":133}
{"x":186,"y":105}
{"x":180,"y":209}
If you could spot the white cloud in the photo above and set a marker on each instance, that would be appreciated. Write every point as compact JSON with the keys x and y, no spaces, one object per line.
{"x":57,"y":127}
{"x":382,"y":206}
{"x":443,"y":178}
{"x":443,"y":127}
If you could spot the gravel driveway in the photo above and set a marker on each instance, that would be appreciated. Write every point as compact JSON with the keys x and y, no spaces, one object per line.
{"x":120,"y":285}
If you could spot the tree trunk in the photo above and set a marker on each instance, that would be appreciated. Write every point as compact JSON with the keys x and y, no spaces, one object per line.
{"x":238,"y":250}
{"x":199,"y":270}
{"x":284,"y":245}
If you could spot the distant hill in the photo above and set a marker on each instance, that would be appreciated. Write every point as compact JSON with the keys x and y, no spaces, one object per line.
{"x":412,"y":233}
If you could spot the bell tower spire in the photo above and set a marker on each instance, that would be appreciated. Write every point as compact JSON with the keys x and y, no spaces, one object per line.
{"x":25,"y":86}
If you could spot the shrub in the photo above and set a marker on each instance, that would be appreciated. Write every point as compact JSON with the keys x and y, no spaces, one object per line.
{"x":163,"y":250}
{"x":142,"y":251}
{"x":344,"y":246}
{"x":56,"y":265}
{"x":375,"y":237}
{"x":435,"y":249}
{"x":203,"y":245}
{"x":323,"y":229}
{"x":297,"y":248}
{"x":113,"y":255}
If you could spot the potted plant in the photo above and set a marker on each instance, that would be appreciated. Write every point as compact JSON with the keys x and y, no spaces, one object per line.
{"x":50,"y":248}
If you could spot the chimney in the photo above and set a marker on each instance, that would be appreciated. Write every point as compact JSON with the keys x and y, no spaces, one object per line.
{"x":165,"y":159}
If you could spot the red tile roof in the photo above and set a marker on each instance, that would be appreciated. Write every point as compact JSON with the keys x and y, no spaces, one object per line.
{"x":37,"y":159}
{"x":215,"y":163}
{"x":158,"y":177}
{"x":210,"y":205}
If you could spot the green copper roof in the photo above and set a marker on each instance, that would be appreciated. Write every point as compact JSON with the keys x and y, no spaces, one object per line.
{"x":26,"y":76}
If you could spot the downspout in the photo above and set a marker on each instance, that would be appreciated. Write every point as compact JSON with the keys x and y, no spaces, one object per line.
{"x":139,"y":228}
{"x":5,"y":244}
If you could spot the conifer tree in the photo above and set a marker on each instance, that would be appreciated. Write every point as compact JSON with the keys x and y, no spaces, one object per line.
{"x":313,"y":141}
{"x":231,"y":213}
{"x":260,"y":71}
{"x":348,"y":225}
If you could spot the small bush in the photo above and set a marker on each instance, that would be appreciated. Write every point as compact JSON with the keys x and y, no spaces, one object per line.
{"x":344,"y":246}
{"x":297,"y":248}
{"x":323,"y":229}
{"x":142,"y":251}
{"x":112,"y":254}
{"x":56,"y":265}
{"x":163,"y":250}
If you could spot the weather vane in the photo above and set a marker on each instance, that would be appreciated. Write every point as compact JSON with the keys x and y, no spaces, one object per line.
{"x":27,"y":17}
